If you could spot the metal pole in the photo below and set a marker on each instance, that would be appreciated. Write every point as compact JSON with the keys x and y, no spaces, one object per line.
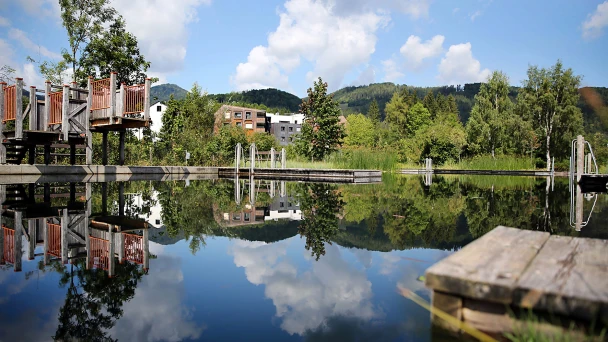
{"x":283,"y":159}
{"x":252,"y":157}
{"x":273,"y":159}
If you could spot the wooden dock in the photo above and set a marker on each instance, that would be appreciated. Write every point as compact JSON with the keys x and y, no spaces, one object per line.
{"x":510,"y":271}
{"x":311,"y":175}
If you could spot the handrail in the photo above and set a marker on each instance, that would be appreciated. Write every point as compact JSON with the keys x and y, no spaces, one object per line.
{"x":10,"y":103}
{"x":101,"y":94}
{"x":592,"y":156}
{"x":134,"y":99}
{"x":54,"y":244}
{"x":55,"y":111}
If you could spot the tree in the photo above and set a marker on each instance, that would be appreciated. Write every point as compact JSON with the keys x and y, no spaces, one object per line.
{"x":430,"y":103}
{"x":374,"y":113}
{"x":263,"y":141}
{"x":322,"y":132}
{"x":417,"y":118}
{"x":6,"y":74}
{"x":116,"y":50}
{"x":361,"y":131}
{"x":396,"y":111}
{"x":486,"y":126}
{"x":549,"y":98}
{"x":83,"y":20}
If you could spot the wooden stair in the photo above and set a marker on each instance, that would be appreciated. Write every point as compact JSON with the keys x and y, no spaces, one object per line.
{"x":15,"y":153}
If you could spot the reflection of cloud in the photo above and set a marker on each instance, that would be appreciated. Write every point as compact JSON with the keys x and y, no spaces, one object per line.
{"x":156,"y":248}
{"x":29,"y":325}
{"x":363,"y":255}
{"x":307,"y":300}
{"x":155,"y":313}
{"x":389,"y":263}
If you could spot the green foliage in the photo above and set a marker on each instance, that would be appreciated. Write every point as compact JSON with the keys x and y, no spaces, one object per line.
{"x":322,"y":132}
{"x":220,"y":149}
{"x":364,"y":159}
{"x":273,"y":100}
{"x":549,"y":99}
{"x":163,"y":92}
{"x":373,"y":113}
{"x":264,"y":141}
{"x":360,"y":131}
{"x":6,"y":74}
{"x":442,"y":141}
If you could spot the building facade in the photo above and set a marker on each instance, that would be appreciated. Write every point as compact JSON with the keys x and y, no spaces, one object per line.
{"x":285,"y":127}
{"x":252,"y":120}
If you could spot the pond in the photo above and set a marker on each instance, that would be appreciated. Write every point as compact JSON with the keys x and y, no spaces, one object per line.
{"x":258,"y":261}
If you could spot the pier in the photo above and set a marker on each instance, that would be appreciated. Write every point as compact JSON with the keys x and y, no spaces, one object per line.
{"x":509,"y":271}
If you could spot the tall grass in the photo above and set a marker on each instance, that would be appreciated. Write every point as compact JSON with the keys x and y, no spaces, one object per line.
{"x":365,"y":159}
{"x":509,"y":163}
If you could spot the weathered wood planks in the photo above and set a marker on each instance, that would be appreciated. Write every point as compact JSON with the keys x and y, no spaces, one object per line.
{"x":519,"y":269}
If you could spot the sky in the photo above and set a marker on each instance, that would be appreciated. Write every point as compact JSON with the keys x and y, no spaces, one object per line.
{"x":230,"y":45}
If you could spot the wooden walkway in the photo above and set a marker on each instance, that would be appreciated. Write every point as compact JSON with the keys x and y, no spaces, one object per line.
{"x":511,"y":269}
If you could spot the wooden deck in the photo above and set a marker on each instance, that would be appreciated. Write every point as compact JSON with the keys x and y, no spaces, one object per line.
{"x":511,"y":270}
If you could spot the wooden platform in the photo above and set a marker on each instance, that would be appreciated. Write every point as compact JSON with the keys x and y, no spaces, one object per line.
{"x":510,"y":269}
{"x":311,"y":175}
{"x":593,"y":183}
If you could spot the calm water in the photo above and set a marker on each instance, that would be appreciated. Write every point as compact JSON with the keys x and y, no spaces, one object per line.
{"x":290,"y":261}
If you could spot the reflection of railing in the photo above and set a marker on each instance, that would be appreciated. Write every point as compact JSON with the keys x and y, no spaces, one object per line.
{"x":134,"y":99}
{"x":10,"y":103}
{"x":9,"y":245}
{"x":134,"y":248}
{"x":573,"y":208}
{"x":99,"y":255}
{"x":55,"y":111}
{"x":101,"y":94}
{"x":54,"y":232}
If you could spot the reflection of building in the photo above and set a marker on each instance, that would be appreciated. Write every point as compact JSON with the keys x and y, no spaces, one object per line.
{"x":69,"y":232}
{"x":284,"y":208}
{"x":248,"y":215}
{"x":154,"y":216}
{"x":250,"y":119}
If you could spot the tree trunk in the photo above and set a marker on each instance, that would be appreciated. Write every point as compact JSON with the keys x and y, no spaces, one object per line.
{"x":548,"y":153}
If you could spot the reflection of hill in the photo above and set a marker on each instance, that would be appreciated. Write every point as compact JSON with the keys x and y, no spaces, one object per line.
{"x":161,"y":236}
{"x":267,"y":232}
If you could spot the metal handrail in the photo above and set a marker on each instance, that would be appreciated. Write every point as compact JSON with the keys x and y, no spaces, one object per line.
{"x":592,"y":156}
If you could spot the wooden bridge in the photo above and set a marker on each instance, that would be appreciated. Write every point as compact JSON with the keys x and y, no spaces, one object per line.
{"x":67,"y":117}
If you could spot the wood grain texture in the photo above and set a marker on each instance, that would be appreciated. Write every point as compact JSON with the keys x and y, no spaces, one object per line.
{"x":488,"y":268}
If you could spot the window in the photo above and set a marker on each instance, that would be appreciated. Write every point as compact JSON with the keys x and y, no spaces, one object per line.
{"x":227,"y":115}
{"x":261,"y":115}
{"x":260,"y":125}
{"x":296,"y":122}
{"x":238,"y":115}
{"x":246,"y":216}
{"x":249,"y":125}
{"x":291,"y":129}
{"x":159,"y":108}
{"x":236,"y":217}
{"x":226,"y":123}
{"x":298,"y":129}
{"x":282,"y":139}
{"x":239,"y":124}
{"x":282,"y":128}
{"x":157,"y":221}
{"x":282,"y":204}
{"x":247,"y":115}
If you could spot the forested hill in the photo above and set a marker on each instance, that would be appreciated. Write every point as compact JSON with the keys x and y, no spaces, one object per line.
{"x":162,"y":92}
{"x":271,"y":98}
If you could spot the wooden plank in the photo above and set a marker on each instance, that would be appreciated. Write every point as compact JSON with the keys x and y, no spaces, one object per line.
{"x":568,"y":277}
{"x":489,"y":267}
{"x":452,"y":305}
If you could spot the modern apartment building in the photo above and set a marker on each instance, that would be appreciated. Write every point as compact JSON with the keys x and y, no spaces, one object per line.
{"x":251,"y":119}
{"x":285,"y":127}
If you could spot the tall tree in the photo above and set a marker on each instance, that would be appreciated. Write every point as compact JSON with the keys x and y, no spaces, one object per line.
{"x":374,"y":113}
{"x":6,"y":74}
{"x":486,"y":126}
{"x":360,"y":131}
{"x":549,"y":98}
{"x":114,"y":49}
{"x":396,"y":111}
{"x":430,"y":103}
{"x":83,"y":20}
{"x":322,"y":131}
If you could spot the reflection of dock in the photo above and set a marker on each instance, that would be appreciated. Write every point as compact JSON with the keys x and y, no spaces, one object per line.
{"x":510,"y":269}
{"x":68,"y":231}
{"x":311,"y":175}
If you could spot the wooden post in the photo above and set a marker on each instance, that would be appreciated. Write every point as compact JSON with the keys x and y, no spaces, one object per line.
{"x":104,"y":199}
{"x":47,"y":106}
{"x":19,"y":108}
{"x":121,"y":148}
{"x":87,"y":123}
{"x":147,"y":87}
{"x":112,"y":96}
{"x":104,"y":148}
{"x":47,"y":154}
{"x":282,"y":189}
{"x":87,"y":215}
{"x":121,"y":199}
{"x":121,"y":248}
{"x":18,"y":239}
{"x":283,"y":159}
{"x":45,"y":243}
{"x":64,"y":236}
{"x":120,"y":102}
{"x":2,"y":147}
{"x":72,"y":153}
{"x":31,"y":229}
{"x":111,"y":251}
{"x":273,"y":159}
{"x":47,"y":192}
{"x":31,"y":154}
{"x":65,"y":107}
{"x":580,"y":157}
{"x":146,"y":243}
{"x":33,"y":109}
{"x":75,"y":93}
{"x":589,"y":163}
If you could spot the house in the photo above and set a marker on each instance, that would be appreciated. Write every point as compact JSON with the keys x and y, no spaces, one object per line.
{"x":157,"y":111}
{"x":251,"y":119}
{"x":284,"y":127}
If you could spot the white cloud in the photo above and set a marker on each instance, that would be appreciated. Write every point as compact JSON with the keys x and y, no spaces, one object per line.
{"x":47,"y":8}
{"x":415,"y":51}
{"x":334,"y":42}
{"x":391,"y":71}
{"x":366,"y":77}
{"x":22,"y":38}
{"x":475,"y":15}
{"x":4,"y":21}
{"x":27,"y":71}
{"x":459,"y":66}
{"x":596,"y":21}
{"x":305,"y":300}
{"x":414,"y":8}
{"x":161,"y":30}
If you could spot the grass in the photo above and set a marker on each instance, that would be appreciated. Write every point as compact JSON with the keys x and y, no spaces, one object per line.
{"x":358,"y":159}
{"x":508,"y":163}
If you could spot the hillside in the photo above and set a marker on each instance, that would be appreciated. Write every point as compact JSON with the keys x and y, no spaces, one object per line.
{"x":162,"y":92}
{"x":280,"y":100}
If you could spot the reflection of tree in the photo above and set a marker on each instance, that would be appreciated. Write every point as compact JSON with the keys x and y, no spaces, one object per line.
{"x":94,"y":301}
{"x":320,"y":205}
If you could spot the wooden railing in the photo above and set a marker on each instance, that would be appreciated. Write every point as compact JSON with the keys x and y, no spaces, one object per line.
{"x":99,"y":253}
{"x":9,"y":245}
{"x":10,"y":103}
{"x":55,"y":112}
{"x":54,"y":236}
{"x":134,"y":99}
{"x":134,"y":248}
{"x":101,"y":94}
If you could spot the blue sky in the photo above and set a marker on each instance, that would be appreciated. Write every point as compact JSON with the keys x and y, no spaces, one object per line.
{"x":237,"y":45}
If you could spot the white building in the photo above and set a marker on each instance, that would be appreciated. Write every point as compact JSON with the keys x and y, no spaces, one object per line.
{"x":157,"y":111}
{"x":296,"y":119}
